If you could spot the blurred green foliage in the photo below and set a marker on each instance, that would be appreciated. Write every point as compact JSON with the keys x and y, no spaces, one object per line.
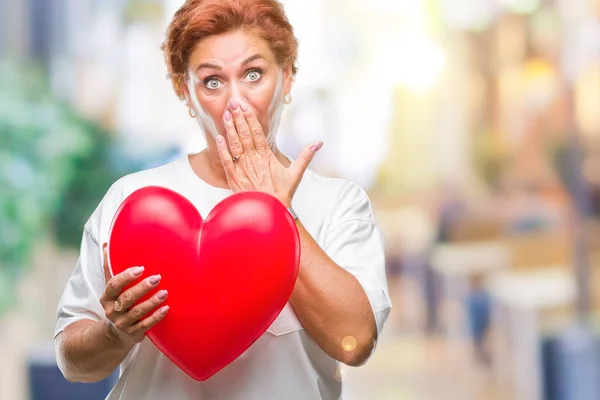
{"x":54,"y":168}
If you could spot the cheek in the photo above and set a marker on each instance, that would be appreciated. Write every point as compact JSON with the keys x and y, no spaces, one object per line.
{"x":212,"y":109}
{"x":260,"y":103}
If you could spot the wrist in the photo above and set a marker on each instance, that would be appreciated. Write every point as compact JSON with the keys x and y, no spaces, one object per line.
{"x":286,"y":202}
{"x":293,"y":213}
{"x":116,"y":337}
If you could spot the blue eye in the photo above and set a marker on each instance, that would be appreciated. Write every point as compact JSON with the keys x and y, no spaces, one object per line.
{"x":212,"y":83}
{"x":254,"y":75}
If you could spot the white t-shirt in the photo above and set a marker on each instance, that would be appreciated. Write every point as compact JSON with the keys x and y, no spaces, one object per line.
{"x":285,"y":362}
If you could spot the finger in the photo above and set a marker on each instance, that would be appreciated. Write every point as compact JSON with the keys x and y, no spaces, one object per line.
{"x":232,"y":136}
{"x":301,"y":163}
{"x":226,"y":159}
{"x":256,"y":130}
{"x":155,"y":318}
{"x":140,"y":311}
{"x":241,"y":126}
{"x":117,"y":283}
{"x":107,"y":274}
{"x":130,"y":296}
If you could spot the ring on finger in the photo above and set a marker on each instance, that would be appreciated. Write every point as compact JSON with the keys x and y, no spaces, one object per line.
{"x":118,"y":306}
{"x":236,"y":158}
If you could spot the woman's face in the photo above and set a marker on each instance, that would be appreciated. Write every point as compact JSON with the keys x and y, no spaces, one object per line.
{"x":241,"y":66}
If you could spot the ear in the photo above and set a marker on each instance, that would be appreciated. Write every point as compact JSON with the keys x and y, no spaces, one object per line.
{"x":288,"y":77}
{"x":187,"y":97}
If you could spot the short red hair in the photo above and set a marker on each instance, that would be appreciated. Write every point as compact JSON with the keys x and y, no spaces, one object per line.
{"x":198,"y":19}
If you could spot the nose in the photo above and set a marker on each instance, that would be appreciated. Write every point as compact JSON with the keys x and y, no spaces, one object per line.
{"x":237,"y":92}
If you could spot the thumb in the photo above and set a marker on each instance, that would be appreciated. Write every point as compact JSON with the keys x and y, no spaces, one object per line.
{"x":107,"y":274}
{"x":306,"y":155}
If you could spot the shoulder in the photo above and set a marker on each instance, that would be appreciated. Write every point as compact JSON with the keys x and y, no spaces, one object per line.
{"x":101,"y":218}
{"x":341,"y":199}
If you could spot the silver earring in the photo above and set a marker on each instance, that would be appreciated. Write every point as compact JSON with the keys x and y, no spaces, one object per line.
{"x":192,"y":112}
{"x":287,"y":99}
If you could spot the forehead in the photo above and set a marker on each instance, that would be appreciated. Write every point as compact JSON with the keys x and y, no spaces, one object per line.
{"x":230,"y":49}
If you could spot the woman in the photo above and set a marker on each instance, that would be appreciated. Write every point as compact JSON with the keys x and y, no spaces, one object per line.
{"x":233,"y":63}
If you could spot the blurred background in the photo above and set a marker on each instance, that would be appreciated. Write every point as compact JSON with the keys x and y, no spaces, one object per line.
{"x":474,"y":125}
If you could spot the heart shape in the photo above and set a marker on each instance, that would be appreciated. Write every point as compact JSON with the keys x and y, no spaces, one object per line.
{"x":228,"y":276}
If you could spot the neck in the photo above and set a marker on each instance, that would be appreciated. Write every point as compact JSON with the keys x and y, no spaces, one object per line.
{"x":208,"y":167}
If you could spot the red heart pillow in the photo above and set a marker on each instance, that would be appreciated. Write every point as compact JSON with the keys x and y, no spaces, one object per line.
{"x":228,"y":276}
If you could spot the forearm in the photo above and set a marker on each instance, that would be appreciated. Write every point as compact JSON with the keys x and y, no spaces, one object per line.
{"x":332,"y":305}
{"x":89,"y":352}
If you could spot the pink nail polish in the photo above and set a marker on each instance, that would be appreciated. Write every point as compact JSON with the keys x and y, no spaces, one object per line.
{"x":244,"y":106}
{"x":233,"y":104}
{"x":164,"y":310}
{"x":219,"y":139}
{"x":155,"y":279}
{"x":137,"y":271}
{"x":316,"y":147}
{"x":227,"y":116}
{"x":162,"y":295}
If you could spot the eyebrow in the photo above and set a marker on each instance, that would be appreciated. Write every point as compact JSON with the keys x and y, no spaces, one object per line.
{"x":245,"y":62}
{"x":252,"y":58}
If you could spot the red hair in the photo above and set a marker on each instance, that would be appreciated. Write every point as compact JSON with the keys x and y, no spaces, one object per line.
{"x":198,"y":19}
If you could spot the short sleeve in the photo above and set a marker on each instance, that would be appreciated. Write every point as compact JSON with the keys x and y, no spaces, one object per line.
{"x":81,"y":297}
{"x":355,"y":243}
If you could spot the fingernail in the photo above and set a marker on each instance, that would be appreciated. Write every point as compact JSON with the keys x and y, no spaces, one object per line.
{"x":244,"y":106}
{"x":316,"y":147}
{"x":137,"y":271}
{"x":162,"y":295}
{"x":233,"y":104}
{"x":155,"y":279}
{"x":219,"y":139}
{"x":164,"y":310}
{"x":227,"y":116}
